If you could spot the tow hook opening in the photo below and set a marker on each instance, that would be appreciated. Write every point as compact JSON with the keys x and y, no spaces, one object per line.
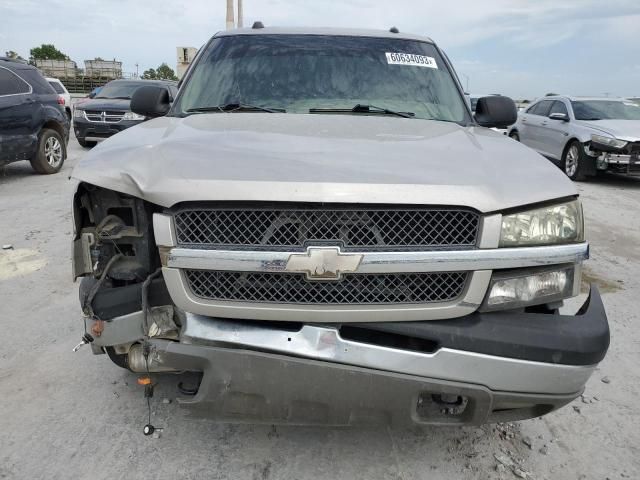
{"x":445,"y":406}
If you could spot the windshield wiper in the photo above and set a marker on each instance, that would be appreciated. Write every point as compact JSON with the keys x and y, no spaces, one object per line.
{"x":236,"y":107}
{"x":360,"y":108}
{"x":114,"y":98}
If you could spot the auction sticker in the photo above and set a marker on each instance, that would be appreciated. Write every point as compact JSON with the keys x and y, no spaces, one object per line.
{"x":411,"y":60}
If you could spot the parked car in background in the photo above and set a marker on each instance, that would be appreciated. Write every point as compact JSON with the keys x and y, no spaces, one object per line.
{"x":91,"y":95}
{"x":33,"y":123}
{"x":317,"y":259}
{"x":62,"y":92}
{"x":583,"y":135}
{"x":108,"y":112}
{"x":635,"y":100}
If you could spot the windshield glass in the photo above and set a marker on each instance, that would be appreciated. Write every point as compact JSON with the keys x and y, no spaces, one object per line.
{"x":303,"y":72}
{"x":605,"y":110}
{"x":118,"y":89}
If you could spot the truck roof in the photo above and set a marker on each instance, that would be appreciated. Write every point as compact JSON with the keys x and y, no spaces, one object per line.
{"x":345,"y":32}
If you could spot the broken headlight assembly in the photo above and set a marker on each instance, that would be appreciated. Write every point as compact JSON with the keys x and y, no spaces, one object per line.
{"x":610,"y":143}
{"x":549,"y":225}
{"x":523,"y":288}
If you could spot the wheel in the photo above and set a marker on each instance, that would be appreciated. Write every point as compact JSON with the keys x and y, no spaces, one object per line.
{"x":515,"y":136}
{"x":51,"y":152}
{"x":573,"y":161}
{"x":85,"y":144}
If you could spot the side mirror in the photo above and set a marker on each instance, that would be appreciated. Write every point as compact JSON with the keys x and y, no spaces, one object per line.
{"x":496,"y":112}
{"x":559,"y":116}
{"x":151,"y":101}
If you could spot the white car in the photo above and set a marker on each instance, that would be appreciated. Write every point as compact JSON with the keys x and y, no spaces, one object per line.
{"x":63,"y":94}
{"x":583,"y":135}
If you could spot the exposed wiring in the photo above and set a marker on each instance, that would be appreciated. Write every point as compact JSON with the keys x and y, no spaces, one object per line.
{"x":145,"y":300}
{"x":86,"y":304}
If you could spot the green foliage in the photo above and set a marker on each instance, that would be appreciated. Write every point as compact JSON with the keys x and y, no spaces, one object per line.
{"x":165,"y":72}
{"x":12,"y":54}
{"x":47,"y":51}
{"x":150,"y":74}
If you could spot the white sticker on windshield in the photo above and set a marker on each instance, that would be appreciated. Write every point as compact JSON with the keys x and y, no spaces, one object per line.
{"x":411,"y":60}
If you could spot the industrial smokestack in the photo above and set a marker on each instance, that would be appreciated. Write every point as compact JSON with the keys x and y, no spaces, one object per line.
{"x":230,"y":19}
{"x":240,"y":14}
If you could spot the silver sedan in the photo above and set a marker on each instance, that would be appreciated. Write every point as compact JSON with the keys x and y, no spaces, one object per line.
{"x":583,"y":135}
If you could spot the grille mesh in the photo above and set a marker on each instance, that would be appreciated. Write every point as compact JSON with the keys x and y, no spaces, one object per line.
{"x":368,"y":229}
{"x":360,"y":289}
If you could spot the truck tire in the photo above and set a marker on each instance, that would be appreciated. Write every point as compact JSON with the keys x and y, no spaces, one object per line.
{"x":573,"y":161}
{"x":85,"y":144}
{"x":50,"y":154}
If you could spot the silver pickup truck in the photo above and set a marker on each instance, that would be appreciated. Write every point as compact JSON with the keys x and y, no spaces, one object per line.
{"x":322,"y":232}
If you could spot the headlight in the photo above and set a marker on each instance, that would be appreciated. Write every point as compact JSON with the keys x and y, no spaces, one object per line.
{"x":133,"y":116}
{"x":77,"y":113}
{"x":550,"y":225}
{"x":608,"y":141}
{"x":510,"y":290}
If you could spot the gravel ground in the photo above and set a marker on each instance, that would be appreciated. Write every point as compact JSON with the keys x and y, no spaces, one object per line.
{"x":67,"y":415}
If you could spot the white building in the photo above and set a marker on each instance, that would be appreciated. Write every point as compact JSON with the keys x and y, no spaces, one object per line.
{"x":185,"y":57}
{"x":57,"y":68}
{"x":103,"y":68}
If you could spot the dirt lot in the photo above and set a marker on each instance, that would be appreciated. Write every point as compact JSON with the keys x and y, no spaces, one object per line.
{"x":67,"y":415}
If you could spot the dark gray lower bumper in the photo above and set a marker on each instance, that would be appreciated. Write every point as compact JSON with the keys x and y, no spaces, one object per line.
{"x":258,"y":387}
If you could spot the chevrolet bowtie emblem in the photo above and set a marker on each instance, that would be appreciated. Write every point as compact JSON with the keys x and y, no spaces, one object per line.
{"x":323,"y":263}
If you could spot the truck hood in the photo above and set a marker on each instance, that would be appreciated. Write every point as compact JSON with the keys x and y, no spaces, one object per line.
{"x":623,"y":129}
{"x":321,"y":158}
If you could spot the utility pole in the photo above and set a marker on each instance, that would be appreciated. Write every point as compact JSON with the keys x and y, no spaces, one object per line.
{"x":137,"y":76}
{"x":240,"y":14}
{"x":230,"y":19}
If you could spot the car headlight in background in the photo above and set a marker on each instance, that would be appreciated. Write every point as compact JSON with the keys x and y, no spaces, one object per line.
{"x":608,"y":141}
{"x":517,"y":289}
{"x":77,"y":113}
{"x":133,"y":116}
{"x":551,"y":225}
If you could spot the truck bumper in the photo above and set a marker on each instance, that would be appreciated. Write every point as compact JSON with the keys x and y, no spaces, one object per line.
{"x":484,"y":367}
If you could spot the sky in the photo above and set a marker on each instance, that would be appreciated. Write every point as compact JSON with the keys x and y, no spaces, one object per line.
{"x":520,"y":48}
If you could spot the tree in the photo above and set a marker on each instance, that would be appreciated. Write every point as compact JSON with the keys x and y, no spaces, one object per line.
{"x":165,"y":72}
{"x":13,"y":55}
{"x":150,"y":74}
{"x":47,"y":51}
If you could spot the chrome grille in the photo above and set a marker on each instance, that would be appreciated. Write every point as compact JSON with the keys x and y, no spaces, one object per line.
{"x":292,"y":288}
{"x":367,"y":229}
{"x":101,"y":116}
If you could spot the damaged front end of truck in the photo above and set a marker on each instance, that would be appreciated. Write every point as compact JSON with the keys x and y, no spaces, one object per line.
{"x":151,"y":278}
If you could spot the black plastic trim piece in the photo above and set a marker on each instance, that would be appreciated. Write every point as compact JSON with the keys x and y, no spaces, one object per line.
{"x":582,"y":339}
{"x":109,"y":303}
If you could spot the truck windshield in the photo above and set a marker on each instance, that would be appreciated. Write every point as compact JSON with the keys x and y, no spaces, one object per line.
{"x":323,"y":74}
{"x":605,"y":110}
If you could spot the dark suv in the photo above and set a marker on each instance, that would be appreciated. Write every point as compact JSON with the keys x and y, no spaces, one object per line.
{"x":33,"y":126}
{"x":108,"y":112}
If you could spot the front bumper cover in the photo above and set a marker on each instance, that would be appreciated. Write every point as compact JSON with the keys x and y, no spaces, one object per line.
{"x":97,"y":131}
{"x":501,"y":366}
